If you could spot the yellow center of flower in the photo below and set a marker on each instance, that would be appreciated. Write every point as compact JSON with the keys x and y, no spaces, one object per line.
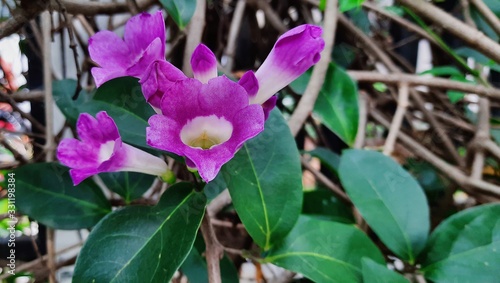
{"x":205,"y":132}
{"x":204,"y":141}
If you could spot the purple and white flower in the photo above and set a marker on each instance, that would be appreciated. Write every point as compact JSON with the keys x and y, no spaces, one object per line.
{"x":205,"y":122}
{"x":100,"y":149}
{"x":293,"y":53}
{"x":143,"y":43}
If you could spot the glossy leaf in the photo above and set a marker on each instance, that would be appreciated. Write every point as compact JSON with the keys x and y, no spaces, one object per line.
{"x":265,"y":183}
{"x":181,"y":11}
{"x":346,"y":5}
{"x":126,"y":93}
{"x":465,"y":247}
{"x":324,"y":251}
{"x":322,"y":204}
{"x":45,"y":192}
{"x":143,"y":243}
{"x":376,"y":273}
{"x":389,"y":199}
{"x":337,"y":104}
{"x":129,"y":185}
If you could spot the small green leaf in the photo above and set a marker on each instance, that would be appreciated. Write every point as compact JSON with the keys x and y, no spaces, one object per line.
{"x":455,"y":96}
{"x":46,"y":193}
{"x":129,"y":185}
{"x":346,"y":5}
{"x":380,"y":86}
{"x":324,"y":251}
{"x":389,"y":199}
{"x":337,"y":104}
{"x":181,"y":11}
{"x":143,"y":243}
{"x":375,"y":273}
{"x":443,"y":71}
{"x":265,"y":183}
{"x":465,"y":247}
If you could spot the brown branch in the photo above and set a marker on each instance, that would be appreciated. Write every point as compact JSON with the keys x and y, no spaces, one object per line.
{"x":194,"y":32}
{"x":489,"y":16}
{"x":416,"y":80}
{"x":323,"y":179}
{"x":271,"y":16}
{"x":469,"y":35}
{"x":482,"y":134}
{"x":234,"y":30}
{"x":397,"y":121}
{"x":306,"y":103}
{"x":213,"y":252}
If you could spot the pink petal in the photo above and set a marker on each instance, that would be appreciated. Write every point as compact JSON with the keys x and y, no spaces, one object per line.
{"x":142,"y":29}
{"x":78,"y":175}
{"x":109,"y":51}
{"x":159,"y":78}
{"x":203,"y":63}
{"x":293,"y":54}
{"x":250,"y":83}
{"x":153,"y":52}
{"x":76,"y":154}
{"x":96,"y":131}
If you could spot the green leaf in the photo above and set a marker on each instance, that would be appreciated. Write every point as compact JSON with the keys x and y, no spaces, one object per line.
{"x":126,"y":93}
{"x":479,"y":57}
{"x":381,"y":87}
{"x":375,"y":273}
{"x":143,"y":243}
{"x":129,"y":185}
{"x":322,"y":204}
{"x":346,"y":5}
{"x":443,"y":71}
{"x":45,"y":192}
{"x":465,"y":247}
{"x":63,"y":91}
{"x":455,"y":96}
{"x":388,"y":198}
{"x":181,"y":11}
{"x":337,"y":104}
{"x":324,"y":251}
{"x":265,"y":182}
{"x":299,"y":85}
{"x":327,"y":157}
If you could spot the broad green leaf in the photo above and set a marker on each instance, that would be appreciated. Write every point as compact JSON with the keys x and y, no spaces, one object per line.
{"x":63,"y":91}
{"x":181,"y":11}
{"x":45,"y":192}
{"x":213,"y":188}
{"x":494,"y":5}
{"x":482,"y":24}
{"x":346,"y":5}
{"x":143,"y":243}
{"x":479,"y":57}
{"x":324,"y":251}
{"x":337,"y":104}
{"x":299,"y":85}
{"x":343,"y":54}
{"x":465,"y":247}
{"x":129,"y":185}
{"x":359,"y":18}
{"x":322,"y":204}
{"x":388,"y":198}
{"x":265,"y":182}
{"x":376,"y":273}
{"x":327,"y":157}
{"x":126,"y":93}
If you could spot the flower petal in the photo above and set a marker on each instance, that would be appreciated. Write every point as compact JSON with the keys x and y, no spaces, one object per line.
{"x":159,"y":78}
{"x":152,"y":53}
{"x":269,"y":105}
{"x":143,"y":29}
{"x":294,"y":52}
{"x":76,"y":154}
{"x":96,"y":131}
{"x":78,"y":175}
{"x":204,"y":64}
{"x":111,"y":54}
{"x":250,"y":83}
{"x":164,"y":133}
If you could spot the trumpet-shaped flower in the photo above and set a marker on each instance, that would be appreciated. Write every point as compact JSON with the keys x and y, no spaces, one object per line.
{"x":143,"y":44}
{"x":295,"y":51}
{"x":205,"y":122}
{"x":102,"y":150}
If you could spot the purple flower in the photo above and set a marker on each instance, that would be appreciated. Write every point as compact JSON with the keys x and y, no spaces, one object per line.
{"x":204,"y":64}
{"x":295,"y":51}
{"x":101,"y":150}
{"x":205,"y":122}
{"x":143,"y":44}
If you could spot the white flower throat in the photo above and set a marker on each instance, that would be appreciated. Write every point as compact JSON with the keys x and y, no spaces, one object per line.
{"x":205,"y":132}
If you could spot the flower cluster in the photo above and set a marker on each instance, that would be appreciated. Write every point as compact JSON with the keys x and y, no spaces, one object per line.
{"x":206,"y":119}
